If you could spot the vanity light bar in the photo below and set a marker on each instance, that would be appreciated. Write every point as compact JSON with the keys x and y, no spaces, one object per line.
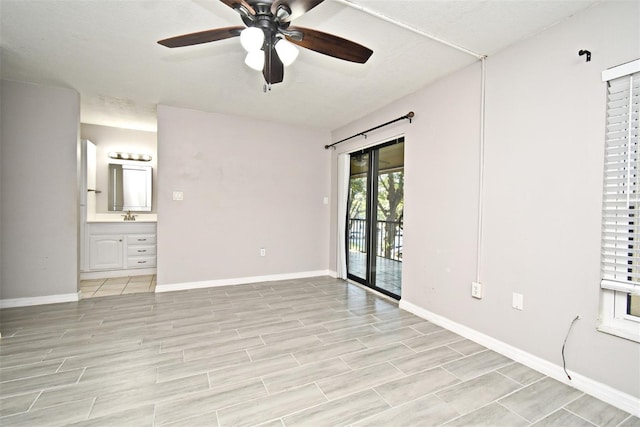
{"x":130,"y":156}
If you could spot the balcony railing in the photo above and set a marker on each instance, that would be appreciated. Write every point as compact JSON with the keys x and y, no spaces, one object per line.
{"x":388,"y":238}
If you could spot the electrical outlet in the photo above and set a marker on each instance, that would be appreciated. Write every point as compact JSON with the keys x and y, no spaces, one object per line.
{"x":476,"y":290}
{"x":263,"y":252}
{"x":178,"y":195}
{"x":518,"y":301}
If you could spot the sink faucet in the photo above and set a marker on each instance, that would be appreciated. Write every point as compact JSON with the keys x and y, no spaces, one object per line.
{"x":129,"y":216}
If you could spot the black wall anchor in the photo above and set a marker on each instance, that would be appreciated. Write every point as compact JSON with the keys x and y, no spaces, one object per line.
{"x":585,"y":52}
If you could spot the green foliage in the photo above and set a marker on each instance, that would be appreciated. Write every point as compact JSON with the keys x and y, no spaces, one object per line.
{"x":390,"y":196}
{"x":389,"y":208}
{"x":358,"y":197}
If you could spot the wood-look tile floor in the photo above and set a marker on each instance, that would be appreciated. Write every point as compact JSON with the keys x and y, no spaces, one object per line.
{"x":93,"y":288}
{"x":311,"y":352}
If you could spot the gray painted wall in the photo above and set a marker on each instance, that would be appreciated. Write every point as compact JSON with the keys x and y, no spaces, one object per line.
{"x":1,"y":188}
{"x":250,"y":184}
{"x":247,"y":184}
{"x":40,"y":129}
{"x":545,"y":117}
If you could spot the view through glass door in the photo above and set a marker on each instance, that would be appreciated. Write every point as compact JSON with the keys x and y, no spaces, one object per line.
{"x":375,"y":213}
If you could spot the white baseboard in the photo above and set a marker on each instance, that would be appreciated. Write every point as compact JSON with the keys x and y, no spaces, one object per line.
{"x":606,"y":393}
{"x":49,"y":299}
{"x":239,"y":281}
{"x":88,"y":275}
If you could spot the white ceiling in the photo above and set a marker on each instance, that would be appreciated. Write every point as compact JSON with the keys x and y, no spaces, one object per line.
{"x":107,"y":51}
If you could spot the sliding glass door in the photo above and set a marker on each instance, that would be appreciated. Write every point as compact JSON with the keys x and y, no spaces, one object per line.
{"x":374,"y":221}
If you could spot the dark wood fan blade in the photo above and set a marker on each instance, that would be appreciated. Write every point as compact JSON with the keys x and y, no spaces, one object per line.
{"x":331,"y":45}
{"x":202,"y":37}
{"x":273,"y":70}
{"x":232,"y":4}
{"x":298,"y":7}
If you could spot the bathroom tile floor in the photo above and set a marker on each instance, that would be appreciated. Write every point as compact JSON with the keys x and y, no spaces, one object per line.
{"x":117,"y":286}
{"x":310,"y":352}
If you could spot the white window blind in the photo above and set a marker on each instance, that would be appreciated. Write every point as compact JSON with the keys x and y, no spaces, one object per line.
{"x":621,"y":197}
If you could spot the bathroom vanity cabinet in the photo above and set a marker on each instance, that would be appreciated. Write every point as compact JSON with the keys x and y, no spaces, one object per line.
{"x":120,"y":249}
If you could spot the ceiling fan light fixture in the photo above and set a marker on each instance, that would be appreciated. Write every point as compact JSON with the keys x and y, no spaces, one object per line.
{"x":270,"y":40}
{"x":255,"y":60}
{"x":252,"y":39}
{"x":287,"y":52}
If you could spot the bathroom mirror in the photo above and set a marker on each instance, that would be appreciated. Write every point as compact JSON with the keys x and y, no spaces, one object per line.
{"x":129,"y":188}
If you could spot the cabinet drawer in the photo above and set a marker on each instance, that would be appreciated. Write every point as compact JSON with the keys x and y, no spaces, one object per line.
{"x":141,"y":261}
{"x":140,"y":250}
{"x":141,"y":239}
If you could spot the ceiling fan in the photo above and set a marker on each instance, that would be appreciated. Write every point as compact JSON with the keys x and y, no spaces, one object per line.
{"x":269,"y":39}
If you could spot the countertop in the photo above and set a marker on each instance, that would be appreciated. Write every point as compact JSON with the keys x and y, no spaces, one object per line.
{"x":118,"y":217}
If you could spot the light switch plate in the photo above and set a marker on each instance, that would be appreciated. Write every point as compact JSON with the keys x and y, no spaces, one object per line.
{"x":476,"y":290}
{"x":518,"y":301}
{"x":177,"y":195}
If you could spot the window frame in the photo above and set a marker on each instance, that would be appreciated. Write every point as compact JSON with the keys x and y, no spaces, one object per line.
{"x":614,"y":319}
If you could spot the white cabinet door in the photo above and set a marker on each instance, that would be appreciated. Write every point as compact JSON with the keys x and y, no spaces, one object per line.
{"x":106,"y":252}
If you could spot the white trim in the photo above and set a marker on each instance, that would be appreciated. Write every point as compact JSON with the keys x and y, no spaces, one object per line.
{"x":632,"y":288}
{"x":241,"y":280}
{"x":613,"y":318}
{"x":606,"y":393}
{"x":49,"y":299}
{"x":88,"y":275}
{"x":621,"y":70}
{"x":618,"y":330}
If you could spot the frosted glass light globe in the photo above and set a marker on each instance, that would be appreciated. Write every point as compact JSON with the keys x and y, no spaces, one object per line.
{"x":252,"y":39}
{"x":287,"y":52}
{"x":255,"y":60}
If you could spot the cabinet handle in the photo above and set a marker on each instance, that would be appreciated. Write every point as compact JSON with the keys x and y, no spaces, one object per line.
{"x":142,"y":262}
{"x":142,"y":250}
{"x":142,"y":240}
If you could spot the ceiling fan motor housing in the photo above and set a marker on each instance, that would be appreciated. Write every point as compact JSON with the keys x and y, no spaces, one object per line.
{"x":265,"y":20}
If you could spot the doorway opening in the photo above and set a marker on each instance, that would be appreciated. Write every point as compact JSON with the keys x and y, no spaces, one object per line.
{"x":375,"y":210}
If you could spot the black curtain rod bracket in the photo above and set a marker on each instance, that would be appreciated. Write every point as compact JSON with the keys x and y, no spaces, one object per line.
{"x":407,"y":116}
{"x":585,"y":52}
